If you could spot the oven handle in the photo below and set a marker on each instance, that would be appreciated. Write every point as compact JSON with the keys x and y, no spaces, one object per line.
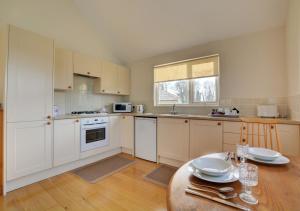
{"x":94,"y":126}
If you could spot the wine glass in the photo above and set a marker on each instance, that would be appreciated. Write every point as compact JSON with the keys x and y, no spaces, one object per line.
{"x":242,"y":151}
{"x":248,"y":176}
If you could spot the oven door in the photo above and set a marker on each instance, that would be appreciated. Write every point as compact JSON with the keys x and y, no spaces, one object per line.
{"x":93,"y":136}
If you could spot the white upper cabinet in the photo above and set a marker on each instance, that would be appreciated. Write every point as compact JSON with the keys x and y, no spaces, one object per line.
{"x":115,"y":79}
{"x":108,"y":83}
{"x":63,"y":73}
{"x":66,"y":141}
{"x":205,"y":137}
{"x":86,"y":65}
{"x":123,"y":80}
{"x":30,"y":76}
{"x":29,"y":148}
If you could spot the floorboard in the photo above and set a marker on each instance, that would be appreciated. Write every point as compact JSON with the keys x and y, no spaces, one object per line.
{"x":124,"y":190}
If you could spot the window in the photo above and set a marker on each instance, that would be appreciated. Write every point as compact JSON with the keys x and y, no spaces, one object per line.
{"x":189,"y":82}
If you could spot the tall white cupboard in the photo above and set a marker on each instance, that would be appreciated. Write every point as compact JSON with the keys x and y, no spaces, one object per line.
{"x":29,"y":102}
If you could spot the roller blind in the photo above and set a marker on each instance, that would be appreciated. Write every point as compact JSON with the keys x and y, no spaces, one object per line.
{"x":188,"y":69}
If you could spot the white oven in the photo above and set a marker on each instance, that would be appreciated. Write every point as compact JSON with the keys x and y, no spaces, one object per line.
{"x":94,"y":133}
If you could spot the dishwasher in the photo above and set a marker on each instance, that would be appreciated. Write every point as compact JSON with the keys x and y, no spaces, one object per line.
{"x":145,"y":138}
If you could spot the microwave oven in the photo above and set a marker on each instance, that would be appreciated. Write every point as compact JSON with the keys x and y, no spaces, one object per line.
{"x":122,"y":107}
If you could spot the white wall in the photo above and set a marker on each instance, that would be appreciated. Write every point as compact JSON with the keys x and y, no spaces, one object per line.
{"x":56,"y":19}
{"x":253,"y":68}
{"x":293,"y":58}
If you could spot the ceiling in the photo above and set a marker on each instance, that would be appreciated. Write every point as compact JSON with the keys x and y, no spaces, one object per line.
{"x":137,"y":29}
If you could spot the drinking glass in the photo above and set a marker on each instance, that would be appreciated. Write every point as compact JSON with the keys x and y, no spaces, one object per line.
{"x":242,"y":151}
{"x":248,"y":176}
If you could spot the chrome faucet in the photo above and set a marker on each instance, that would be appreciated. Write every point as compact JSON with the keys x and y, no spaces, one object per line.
{"x":173,"y":111}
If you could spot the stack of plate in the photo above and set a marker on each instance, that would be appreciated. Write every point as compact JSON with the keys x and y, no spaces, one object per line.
{"x":263,"y":155}
{"x":214,"y":168}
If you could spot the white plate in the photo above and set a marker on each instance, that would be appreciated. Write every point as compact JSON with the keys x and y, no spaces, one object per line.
{"x":231,"y":176}
{"x":263,"y":153}
{"x":211,"y":166}
{"x":278,"y":161}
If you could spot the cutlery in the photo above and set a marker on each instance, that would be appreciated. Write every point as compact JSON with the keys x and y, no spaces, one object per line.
{"x":223,"y":196}
{"x":222,"y":201}
{"x":221,"y":190}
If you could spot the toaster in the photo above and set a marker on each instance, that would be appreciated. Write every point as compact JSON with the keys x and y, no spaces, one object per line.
{"x":267,"y":111}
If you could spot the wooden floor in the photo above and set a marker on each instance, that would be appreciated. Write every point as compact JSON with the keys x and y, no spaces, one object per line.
{"x":125,"y":190}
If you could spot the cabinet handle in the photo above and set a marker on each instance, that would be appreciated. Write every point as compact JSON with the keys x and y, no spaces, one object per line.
{"x":103,"y":90}
{"x":88,"y":73}
{"x":49,"y":117}
{"x":118,"y":92}
{"x":272,"y":127}
{"x":186,"y":121}
{"x":77,"y":120}
{"x":219,"y":123}
{"x":69,"y":87}
{"x":123,"y":117}
{"x":48,"y":123}
{"x":244,"y":128}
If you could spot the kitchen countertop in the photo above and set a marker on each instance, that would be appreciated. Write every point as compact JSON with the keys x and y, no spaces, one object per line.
{"x":178,"y":116}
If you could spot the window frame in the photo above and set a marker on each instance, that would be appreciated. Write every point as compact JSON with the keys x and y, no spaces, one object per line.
{"x":191,"y":95}
{"x":191,"y":89}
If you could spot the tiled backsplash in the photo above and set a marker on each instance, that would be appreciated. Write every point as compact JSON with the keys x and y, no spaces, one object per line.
{"x":246,"y":106}
{"x":82,"y":97}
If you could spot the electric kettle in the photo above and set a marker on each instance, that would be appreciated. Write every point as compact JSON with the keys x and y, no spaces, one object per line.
{"x":139,"y":109}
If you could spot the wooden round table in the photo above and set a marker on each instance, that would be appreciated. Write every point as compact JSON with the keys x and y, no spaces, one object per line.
{"x":278,"y":189}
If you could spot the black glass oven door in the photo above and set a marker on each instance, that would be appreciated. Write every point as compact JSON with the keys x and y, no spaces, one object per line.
{"x":94,"y":135}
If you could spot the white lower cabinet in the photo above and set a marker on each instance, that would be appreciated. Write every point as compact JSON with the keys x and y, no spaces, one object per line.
{"x":205,"y":137}
{"x":289,"y":137}
{"x":114,"y":132}
{"x":29,"y":148}
{"x":288,"y":134}
{"x":127,"y":134}
{"x":66,"y":142}
{"x":173,"y":139}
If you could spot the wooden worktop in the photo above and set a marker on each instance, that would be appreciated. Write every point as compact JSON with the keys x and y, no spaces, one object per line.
{"x":177,"y":116}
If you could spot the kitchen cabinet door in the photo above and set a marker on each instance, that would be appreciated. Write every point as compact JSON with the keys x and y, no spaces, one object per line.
{"x":205,"y":137}
{"x":123,"y":80}
{"x":86,"y":65}
{"x":29,"y":148}
{"x":173,"y":138}
{"x":63,"y":73}
{"x":290,"y":139}
{"x":114,"y":132}
{"x":30,"y":76}
{"x":108,"y":84}
{"x":66,"y":141}
{"x":127,"y":134}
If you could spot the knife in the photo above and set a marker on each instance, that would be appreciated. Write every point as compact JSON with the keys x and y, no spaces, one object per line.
{"x":222,"y":201}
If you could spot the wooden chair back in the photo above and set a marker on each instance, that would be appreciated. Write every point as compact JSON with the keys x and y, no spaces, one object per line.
{"x":260,"y":132}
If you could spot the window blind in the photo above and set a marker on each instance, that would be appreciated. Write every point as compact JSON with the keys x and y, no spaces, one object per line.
{"x":188,"y":69}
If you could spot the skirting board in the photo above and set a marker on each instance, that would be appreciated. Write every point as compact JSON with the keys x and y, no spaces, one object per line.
{"x":27,"y":180}
{"x":128,"y":151}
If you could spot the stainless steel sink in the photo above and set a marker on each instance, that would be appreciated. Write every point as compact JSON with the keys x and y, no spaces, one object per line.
{"x":173,"y":114}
